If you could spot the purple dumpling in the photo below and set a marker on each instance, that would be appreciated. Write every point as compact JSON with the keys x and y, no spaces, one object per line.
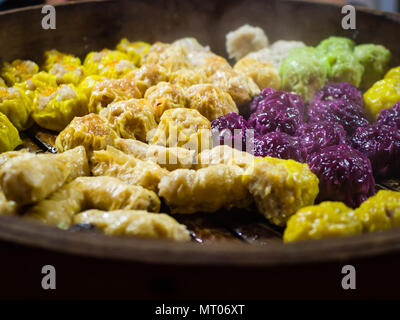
{"x":344,"y":175}
{"x":391,"y":116}
{"x":341,"y":90}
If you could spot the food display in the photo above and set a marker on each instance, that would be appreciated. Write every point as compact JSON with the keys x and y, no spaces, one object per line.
{"x":296,"y":133}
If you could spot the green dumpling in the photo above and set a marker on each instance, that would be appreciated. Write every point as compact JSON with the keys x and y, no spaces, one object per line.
{"x":344,"y":67}
{"x":336,"y":43}
{"x":304,"y":72}
{"x":375,"y":59}
{"x":9,"y":136}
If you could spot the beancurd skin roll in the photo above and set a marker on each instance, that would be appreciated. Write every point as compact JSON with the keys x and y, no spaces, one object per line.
{"x":29,"y":179}
{"x":169,"y":158}
{"x":205,"y":190}
{"x":84,"y":193}
{"x":135,"y":223}
{"x":114,"y":163}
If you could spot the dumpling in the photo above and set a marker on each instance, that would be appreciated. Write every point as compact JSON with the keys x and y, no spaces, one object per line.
{"x":135,"y":223}
{"x":132,"y":118}
{"x":210,"y":101}
{"x":169,"y":158}
{"x":165,"y":96}
{"x":91,"y":131}
{"x":195,"y":52}
{"x":149,"y":75}
{"x":186,"y":78}
{"x":108,"y":63}
{"x":135,"y":50}
{"x":182,"y":127}
{"x":16,"y":105}
{"x":112,"y":90}
{"x":54,"y":108}
{"x":18,"y":71}
{"x":205,"y":190}
{"x":9,"y":136}
{"x":114,"y":163}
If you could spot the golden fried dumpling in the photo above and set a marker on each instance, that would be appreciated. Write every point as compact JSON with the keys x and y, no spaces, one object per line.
{"x":205,"y":190}
{"x":135,"y":223}
{"x":224,"y":155}
{"x":108,"y":63}
{"x":27,"y":179}
{"x":149,"y":75}
{"x":114,"y":163}
{"x":135,"y":50}
{"x":18,"y":71}
{"x":218,"y":72}
{"x":182,"y":127}
{"x":280,"y":187}
{"x":132,"y":118}
{"x":186,"y":78}
{"x":9,"y":136}
{"x":15,"y":103}
{"x":264,"y":74}
{"x":169,"y":158}
{"x":196,"y":53}
{"x":65,"y":67}
{"x":91,"y":131}
{"x":171,"y":57}
{"x":380,"y":212}
{"x":54,"y":108}
{"x":210,"y":101}
{"x":113,"y":90}
{"x":327,"y":219}
{"x":84,"y":193}
{"x":165,"y":96}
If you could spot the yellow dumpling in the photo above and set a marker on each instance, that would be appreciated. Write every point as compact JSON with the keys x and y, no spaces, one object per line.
{"x":328,"y":219}
{"x":54,"y":108}
{"x":280,"y":187}
{"x":131,"y":119}
{"x":135,"y":50}
{"x":113,"y":90}
{"x":108,"y":63}
{"x":381,"y":211}
{"x":9,"y":136}
{"x":18,"y":71}
{"x":165,"y":96}
{"x":149,"y":75}
{"x":15,"y":103}
{"x":2,"y":83}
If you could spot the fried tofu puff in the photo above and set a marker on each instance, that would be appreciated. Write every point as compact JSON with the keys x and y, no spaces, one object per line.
{"x":113,"y":90}
{"x":85,"y":193}
{"x":218,"y":72}
{"x":65,"y":67}
{"x":55,"y":107}
{"x":224,"y":155}
{"x":135,"y":50}
{"x":380,"y":212}
{"x":169,"y":158}
{"x":182,"y":127}
{"x":18,"y":71}
{"x":280,"y":187}
{"x":115,"y":163}
{"x":327,"y":219}
{"x":131,"y":119}
{"x":15,"y":103}
{"x":135,"y":223}
{"x":165,"y":96}
{"x":108,"y":63}
{"x":149,"y":75}
{"x":91,"y":131}
{"x":205,"y":190}
{"x":264,"y":74}
{"x":9,"y":136}
{"x":170,"y":57}
{"x":27,"y":179}
{"x":210,"y":101}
